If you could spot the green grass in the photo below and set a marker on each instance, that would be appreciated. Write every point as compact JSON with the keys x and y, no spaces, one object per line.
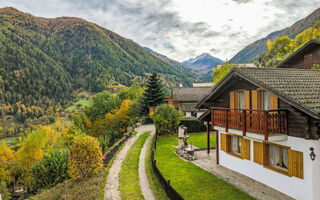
{"x":82,"y":102}
{"x":154,"y":183}
{"x":189,"y":180}
{"x":107,"y":172}
{"x":9,"y":141}
{"x":200,"y":139}
{"x":129,"y":175}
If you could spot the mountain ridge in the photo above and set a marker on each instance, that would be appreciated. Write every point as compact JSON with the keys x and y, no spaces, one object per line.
{"x":252,"y":52}
{"x":204,"y":62}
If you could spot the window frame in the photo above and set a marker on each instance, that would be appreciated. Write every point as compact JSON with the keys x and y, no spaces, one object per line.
{"x":266,"y":161}
{"x":229,"y":145}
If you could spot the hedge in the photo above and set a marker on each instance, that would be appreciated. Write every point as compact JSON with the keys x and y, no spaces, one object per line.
{"x":193,"y":125}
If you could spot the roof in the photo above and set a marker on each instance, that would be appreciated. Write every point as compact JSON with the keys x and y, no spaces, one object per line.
{"x":299,"y":52}
{"x":298,"y":87}
{"x":189,"y":94}
{"x":241,"y":65}
{"x":189,"y":107}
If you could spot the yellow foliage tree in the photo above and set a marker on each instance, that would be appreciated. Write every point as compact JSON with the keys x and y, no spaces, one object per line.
{"x":119,"y":119}
{"x":7,"y":159}
{"x":30,"y":152}
{"x":85,"y":157}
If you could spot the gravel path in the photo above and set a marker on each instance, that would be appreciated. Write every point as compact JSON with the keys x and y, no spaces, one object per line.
{"x":144,"y":182}
{"x":111,"y":188}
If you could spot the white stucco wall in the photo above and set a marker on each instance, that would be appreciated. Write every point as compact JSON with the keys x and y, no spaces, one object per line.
{"x":199,"y":114}
{"x":188,"y":114}
{"x":307,"y":188}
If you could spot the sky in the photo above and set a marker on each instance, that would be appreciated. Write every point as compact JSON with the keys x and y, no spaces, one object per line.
{"x":180,"y":29}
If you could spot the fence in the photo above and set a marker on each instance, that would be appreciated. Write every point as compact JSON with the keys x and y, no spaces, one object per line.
{"x":109,"y":155}
{"x":171,"y":193}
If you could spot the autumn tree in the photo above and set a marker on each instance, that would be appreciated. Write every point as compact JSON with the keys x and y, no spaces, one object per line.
{"x":7,"y":160}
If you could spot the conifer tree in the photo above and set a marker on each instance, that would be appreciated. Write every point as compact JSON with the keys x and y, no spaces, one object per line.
{"x":154,"y":95}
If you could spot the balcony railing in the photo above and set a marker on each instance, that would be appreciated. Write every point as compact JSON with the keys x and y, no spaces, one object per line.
{"x":265,"y":122}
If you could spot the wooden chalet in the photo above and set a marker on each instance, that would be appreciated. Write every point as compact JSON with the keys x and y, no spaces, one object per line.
{"x":267,"y":123}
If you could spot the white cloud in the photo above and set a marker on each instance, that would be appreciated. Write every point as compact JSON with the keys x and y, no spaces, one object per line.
{"x":180,"y":29}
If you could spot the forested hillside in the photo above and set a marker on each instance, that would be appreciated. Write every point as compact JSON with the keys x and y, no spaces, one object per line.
{"x":252,"y":52}
{"x":43,"y":61}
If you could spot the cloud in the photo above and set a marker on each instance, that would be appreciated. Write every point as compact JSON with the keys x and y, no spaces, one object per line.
{"x":242,"y":1}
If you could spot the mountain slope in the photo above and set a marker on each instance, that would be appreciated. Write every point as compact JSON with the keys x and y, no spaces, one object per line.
{"x":43,"y":61}
{"x":251,"y":52}
{"x":204,"y":62}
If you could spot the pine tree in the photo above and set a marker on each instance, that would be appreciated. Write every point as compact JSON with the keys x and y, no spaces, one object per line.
{"x":154,"y":95}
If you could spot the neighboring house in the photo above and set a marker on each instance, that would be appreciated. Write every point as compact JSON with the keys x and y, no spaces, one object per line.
{"x":250,"y":65}
{"x":185,"y":98}
{"x":268,"y":124}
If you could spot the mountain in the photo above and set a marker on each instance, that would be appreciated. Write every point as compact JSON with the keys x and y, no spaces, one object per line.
{"x":204,"y":63}
{"x":252,"y":52}
{"x":43,"y":61}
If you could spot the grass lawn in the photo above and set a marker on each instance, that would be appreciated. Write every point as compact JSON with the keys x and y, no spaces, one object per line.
{"x":82,"y":102}
{"x":200,"y":139}
{"x":9,"y":141}
{"x":154,"y":183}
{"x":129,"y":175}
{"x":189,"y":180}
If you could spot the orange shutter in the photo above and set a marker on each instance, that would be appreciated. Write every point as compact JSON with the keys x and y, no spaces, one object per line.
{"x":254,"y":99}
{"x":247,"y":99}
{"x":223,"y":142}
{"x":258,"y":152}
{"x":231,"y":99}
{"x":295,"y":160}
{"x":273,"y":102}
{"x":245,"y":149}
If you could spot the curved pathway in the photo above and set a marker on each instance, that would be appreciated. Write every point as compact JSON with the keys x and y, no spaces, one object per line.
{"x":143,"y":179}
{"x":112,"y":187}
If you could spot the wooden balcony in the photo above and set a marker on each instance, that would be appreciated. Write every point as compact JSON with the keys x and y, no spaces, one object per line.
{"x":265,"y":122}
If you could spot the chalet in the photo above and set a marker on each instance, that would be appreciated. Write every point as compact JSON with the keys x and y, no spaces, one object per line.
{"x":267,"y":123}
{"x":185,"y":98}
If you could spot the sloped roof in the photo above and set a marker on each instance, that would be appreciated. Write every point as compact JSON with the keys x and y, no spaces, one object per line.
{"x":189,"y":94}
{"x":299,"y":52}
{"x":298,"y":87}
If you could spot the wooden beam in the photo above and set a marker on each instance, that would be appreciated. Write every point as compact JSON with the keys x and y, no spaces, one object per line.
{"x":265,"y":125}
{"x":244,"y":123}
{"x":208,"y":137}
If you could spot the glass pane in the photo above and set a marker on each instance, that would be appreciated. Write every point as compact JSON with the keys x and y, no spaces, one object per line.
{"x":284,"y":158}
{"x":274,"y":155}
{"x":239,"y":145}
{"x":266,"y":101}
{"x":241,"y":100}
{"x":234,"y":144}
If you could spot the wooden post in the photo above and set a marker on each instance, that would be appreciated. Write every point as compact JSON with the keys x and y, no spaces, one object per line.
{"x":265,"y":125}
{"x":217,"y":147}
{"x":212,"y":120}
{"x":226,"y":118}
{"x":208,"y":137}
{"x":244,"y":123}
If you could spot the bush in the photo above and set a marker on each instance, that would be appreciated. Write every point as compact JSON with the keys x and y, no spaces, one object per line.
{"x":5,"y":194}
{"x":85,"y":157}
{"x":51,"y":170}
{"x":193,"y":125}
{"x":166,"y":119}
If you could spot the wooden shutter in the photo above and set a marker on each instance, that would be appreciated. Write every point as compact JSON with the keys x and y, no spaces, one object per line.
{"x":258,"y":152}
{"x":247,"y":99}
{"x":223,"y":142}
{"x":245,"y":149}
{"x":295,"y":160}
{"x":232,"y":100}
{"x":273,"y":102}
{"x":254,"y":99}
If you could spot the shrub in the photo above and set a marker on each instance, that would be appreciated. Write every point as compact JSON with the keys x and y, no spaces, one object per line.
{"x":51,"y":170}
{"x":193,"y":125}
{"x":6,"y":161}
{"x":166,"y":119}
{"x":85,"y":157}
{"x":5,"y":194}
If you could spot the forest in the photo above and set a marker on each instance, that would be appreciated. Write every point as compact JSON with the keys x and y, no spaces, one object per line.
{"x":45,"y":62}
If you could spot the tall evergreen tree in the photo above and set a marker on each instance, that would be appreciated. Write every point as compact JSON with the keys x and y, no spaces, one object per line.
{"x":154,"y":95}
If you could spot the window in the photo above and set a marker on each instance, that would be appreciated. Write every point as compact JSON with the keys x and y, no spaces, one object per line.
{"x":263,"y":100}
{"x":235,"y":145}
{"x":278,"y":157}
{"x":241,"y":99}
